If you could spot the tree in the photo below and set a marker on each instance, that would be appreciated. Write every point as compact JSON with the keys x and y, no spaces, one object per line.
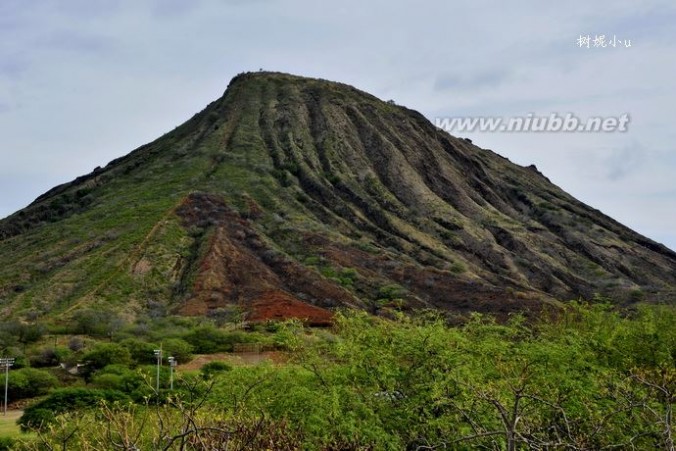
{"x":29,"y":383}
{"x":180,"y":349}
{"x":104,"y":354}
{"x":96,"y":323}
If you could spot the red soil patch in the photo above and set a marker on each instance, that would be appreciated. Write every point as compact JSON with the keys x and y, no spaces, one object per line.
{"x":277,"y":305}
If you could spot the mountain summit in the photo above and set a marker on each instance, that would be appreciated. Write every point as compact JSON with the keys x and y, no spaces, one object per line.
{"x":289,"y":196}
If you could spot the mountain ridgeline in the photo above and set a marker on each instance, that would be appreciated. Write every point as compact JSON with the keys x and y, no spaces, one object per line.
{"x":290,"y":196}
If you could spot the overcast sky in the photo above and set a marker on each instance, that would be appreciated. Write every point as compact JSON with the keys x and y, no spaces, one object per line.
{"x":83,"y":82}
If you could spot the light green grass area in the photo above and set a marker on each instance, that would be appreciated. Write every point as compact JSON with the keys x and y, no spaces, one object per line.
{"x":8,"y":426}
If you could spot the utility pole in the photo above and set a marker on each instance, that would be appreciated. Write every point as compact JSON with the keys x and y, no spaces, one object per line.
{"x":158,"y":355}
{"x":6,"y":362}
{"x":172,"y":364}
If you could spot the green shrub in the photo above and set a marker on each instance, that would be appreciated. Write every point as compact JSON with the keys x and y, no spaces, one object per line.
{"x":20,"y":360}
{"x":209,"y":340}
{"x":289,"y":335}
{"x":118,"y":377}
{"x":76,"y":344}
{"x":206,"y":339}
{"x":41,"y":414}
{"x":14,"y":332}
{"x":148,"y":373}
{"x":49,"y":356}
{"x":29,"y":383}
{"x":209,"y":370}
{"x":36,"y":419}
{"x":178,"y":348}
{"x":141,"y":352}
{"x":458,"y":268}
{"x":95,"y":323}
{"x":107,"y":381}
{"x":272,"y":326}
{"x":7,"y":443}
{"x":104,"y":354}
{"x":392,"y":291}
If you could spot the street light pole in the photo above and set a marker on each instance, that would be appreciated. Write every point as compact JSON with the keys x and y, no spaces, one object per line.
{"x":172,"y":364}
{"x":6,"y":362}
{"x":158,"y":354}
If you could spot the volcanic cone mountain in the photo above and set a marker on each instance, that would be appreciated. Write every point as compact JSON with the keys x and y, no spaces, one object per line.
{"x":289,"y":196}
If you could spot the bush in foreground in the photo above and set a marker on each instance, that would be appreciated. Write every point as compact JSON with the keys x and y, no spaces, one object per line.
{"x":44,"y":413}
{"x":588,"y":377}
